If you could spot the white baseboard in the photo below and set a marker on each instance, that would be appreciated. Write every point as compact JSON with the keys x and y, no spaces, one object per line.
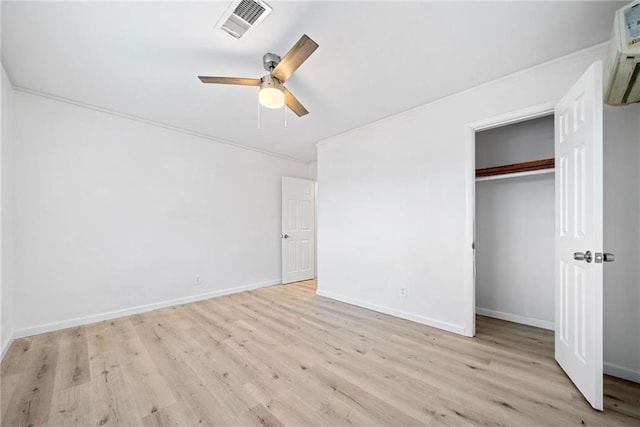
{"x":78,"y":321}
{"x":5,"y":347}
{"x":621,"y":372}
{"x":450,"y":327}
{"x":515,"y":318}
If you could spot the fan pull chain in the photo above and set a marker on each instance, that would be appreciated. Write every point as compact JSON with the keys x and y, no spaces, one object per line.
{"x":285,"y":116}
{"x":258,"y":114}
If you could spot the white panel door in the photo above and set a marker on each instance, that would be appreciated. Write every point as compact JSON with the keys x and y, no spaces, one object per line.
{"x":578,"y":276}
{"x":298,"y":229}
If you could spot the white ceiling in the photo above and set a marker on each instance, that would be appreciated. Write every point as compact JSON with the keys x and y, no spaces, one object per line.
{"x":375,"y":58}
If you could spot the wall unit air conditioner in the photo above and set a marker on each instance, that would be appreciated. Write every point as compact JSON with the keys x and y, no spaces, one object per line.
{"x":622,"y":69}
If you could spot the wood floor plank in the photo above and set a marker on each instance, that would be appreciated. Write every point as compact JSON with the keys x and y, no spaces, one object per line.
{"x":351,"y":394}
{"x":13,"y":362}
{"x":260,"y":415}
{"x":31,"y":402}
{"x":219,"y":380}
{"x":622,"y":396}
{"x":177,"y":415}
{"x":183,"y":380}
{"x":9,"y":384}
{"x":281,"y":356}
{"x":113,"y":402}
{"x":73,"y":359}
{"x":72,"y":406}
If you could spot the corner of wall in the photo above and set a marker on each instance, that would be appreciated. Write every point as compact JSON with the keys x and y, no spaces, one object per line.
{"x":6,"y":204}
{"x":5,"y":346}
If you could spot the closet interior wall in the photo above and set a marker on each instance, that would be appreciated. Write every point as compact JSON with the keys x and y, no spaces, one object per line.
{"x":515,"y":226}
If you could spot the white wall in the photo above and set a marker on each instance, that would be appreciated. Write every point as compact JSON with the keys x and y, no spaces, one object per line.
{"x":392,"y":197}
{"x":392,"y":200}
{"x":313,"y":174}
{"x":514,"y":143}
{"x":622,"y":237}
{"x":6,"y":280}
{"x":313,"y":170}
{"x":515,"y":225}
{"x":114,"y":216}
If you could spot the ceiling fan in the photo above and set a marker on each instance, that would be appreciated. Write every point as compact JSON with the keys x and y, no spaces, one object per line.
{"x":272,"y":93}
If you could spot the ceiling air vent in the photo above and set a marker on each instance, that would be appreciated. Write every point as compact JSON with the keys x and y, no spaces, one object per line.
{"x":243,"y":16}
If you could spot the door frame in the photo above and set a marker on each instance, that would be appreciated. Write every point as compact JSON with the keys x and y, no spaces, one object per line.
{"x":500,"y":120}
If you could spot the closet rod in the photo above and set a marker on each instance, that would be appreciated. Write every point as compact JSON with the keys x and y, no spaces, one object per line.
{"x":514,"y":175}
{"x":516,"y":167}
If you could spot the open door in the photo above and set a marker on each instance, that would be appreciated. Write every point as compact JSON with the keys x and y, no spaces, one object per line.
{"x":298,"y":229}
{"x":578,"y":276}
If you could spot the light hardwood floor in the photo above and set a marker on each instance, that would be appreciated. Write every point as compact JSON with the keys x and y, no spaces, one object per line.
{"x":284,"y":356}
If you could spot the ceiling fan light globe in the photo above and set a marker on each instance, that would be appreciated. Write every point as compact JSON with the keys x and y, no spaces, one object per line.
{"x":271,"y":97}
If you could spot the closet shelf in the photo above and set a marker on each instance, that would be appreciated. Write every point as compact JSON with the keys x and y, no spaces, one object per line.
{"x":534,"y":167}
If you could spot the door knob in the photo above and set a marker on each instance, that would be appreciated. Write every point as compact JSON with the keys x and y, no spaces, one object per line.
{"x":285,"y":236}
{"x":604,"y":257}
{"x":583,"y":256}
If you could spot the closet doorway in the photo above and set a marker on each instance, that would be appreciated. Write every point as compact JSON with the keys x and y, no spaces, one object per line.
{"x":515,"y":222}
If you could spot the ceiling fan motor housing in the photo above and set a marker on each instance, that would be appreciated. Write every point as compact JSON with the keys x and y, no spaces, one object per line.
{"x":268,"y":81}
{"x":270,"y":61}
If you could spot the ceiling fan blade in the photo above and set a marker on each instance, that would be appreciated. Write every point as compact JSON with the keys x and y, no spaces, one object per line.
{"x":230,"y":81}
{"x":293,"y":103}
{"x":294,"y":58}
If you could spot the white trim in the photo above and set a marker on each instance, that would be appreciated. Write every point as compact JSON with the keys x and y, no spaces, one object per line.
{"x":621,"y":372}
{"x":450,"y":327}
{"x":544,"y":324}
{"x":154,"y":123}
{"x":5,"y":347}
{"x":315,"y":224}
{"x":511,"y":117}
{"x":515,"y":174}
{"x":516,"y":116}
{"x":469,"y":258}
{"x":78,"y":321}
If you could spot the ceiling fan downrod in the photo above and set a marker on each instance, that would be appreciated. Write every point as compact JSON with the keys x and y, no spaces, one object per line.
{"x":270,"y":61}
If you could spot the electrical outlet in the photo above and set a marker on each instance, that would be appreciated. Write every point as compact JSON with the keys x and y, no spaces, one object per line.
{"x":198,"y":283}
{"x":403,"y":291}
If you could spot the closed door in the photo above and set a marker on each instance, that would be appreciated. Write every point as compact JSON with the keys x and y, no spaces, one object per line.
{"x":578,"y":258}
{"x":298,"y":229}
